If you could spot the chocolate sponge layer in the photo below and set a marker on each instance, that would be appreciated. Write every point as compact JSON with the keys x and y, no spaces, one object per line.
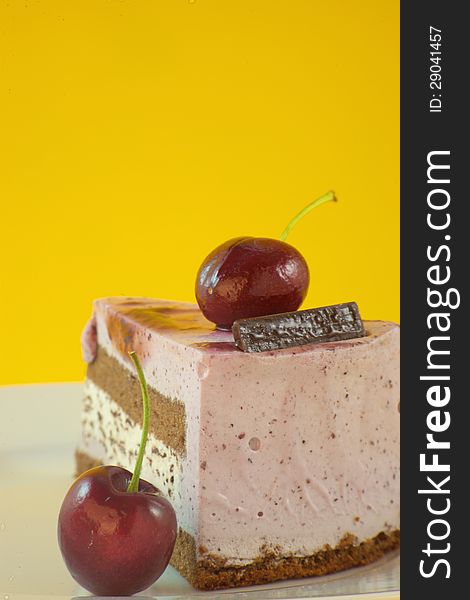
{"x":167,"y":416}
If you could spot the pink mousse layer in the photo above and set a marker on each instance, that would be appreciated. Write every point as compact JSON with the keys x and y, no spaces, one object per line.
{"x":289,"y":449}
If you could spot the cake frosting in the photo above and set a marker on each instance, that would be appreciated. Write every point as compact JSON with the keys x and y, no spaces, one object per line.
{"x":280,"y":453}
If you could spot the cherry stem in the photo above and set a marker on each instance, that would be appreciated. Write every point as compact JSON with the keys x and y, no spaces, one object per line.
{"x":134,"y":482}
{"x":330,"y":196}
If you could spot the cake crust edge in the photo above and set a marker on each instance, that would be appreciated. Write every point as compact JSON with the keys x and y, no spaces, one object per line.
{"x":211,"y":573}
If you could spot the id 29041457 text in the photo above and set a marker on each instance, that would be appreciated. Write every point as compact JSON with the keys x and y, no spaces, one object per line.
{"x":435,"y":69}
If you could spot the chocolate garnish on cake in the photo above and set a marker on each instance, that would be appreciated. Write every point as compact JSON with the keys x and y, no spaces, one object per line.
{"x":286,"y":330}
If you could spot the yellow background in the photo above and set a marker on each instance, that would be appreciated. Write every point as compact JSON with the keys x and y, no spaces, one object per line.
{"x":135,"y":136}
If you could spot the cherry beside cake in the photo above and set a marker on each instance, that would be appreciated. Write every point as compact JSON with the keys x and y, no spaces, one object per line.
{"x":279,"y":464}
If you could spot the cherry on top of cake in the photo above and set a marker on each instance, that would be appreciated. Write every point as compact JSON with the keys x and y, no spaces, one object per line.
{"x":247,"y":277}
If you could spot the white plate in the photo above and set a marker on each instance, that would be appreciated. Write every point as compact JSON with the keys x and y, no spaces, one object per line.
{"x":39,"y":427}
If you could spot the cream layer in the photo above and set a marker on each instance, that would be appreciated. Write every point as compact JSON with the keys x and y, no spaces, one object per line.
{"x":112,"y":437}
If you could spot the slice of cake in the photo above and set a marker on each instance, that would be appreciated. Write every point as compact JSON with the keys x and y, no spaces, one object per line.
{"x":279,"y":464}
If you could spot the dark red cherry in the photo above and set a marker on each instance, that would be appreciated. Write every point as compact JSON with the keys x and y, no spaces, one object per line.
{"x":115,"y":531}
{"x":115,"y":542}
{"x":250,"y":277}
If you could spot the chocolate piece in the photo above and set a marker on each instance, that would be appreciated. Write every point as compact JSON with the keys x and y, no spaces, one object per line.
{"x":314,"y":325}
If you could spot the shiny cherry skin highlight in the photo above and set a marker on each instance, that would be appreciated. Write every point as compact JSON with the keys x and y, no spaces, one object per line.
{"x":115,"y":542}
{"x":250,"y":277}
